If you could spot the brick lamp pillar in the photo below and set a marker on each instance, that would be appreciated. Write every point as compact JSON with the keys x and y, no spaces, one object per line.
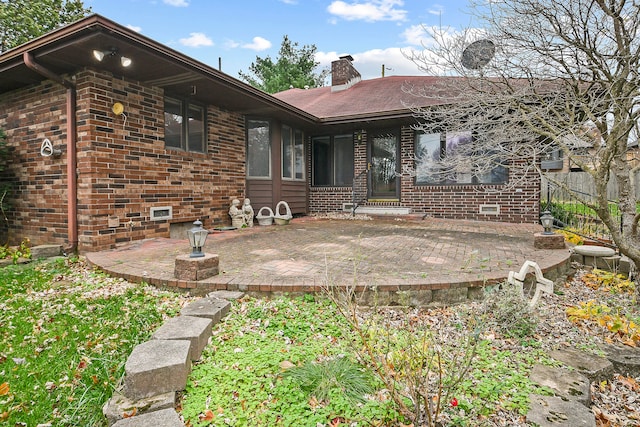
{"x":548,"y":239}
{"x":197,"y":265}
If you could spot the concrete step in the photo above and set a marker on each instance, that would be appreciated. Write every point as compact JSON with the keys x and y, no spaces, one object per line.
{"x":196,"y":330}
{"x":210,"y":308}
{"x":566,"y":384}
{"x":625,"y":359}
{"x":595,"y":368}
{"x":382,"y":210}
{"x":551,"y":411}
{"x":156,"y":367}
{"x":163,"y":418}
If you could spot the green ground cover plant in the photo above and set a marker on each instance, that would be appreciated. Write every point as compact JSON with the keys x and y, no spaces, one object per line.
{"x":65,"y":334}
{"x":300,"y":362}
{"x":262,"y":370}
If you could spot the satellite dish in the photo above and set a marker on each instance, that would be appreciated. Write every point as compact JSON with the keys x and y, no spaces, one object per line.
{"x":478,"y":54}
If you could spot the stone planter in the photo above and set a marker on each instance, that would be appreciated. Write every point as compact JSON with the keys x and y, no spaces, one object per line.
{"x":265,"y":219}
{"x":279,"y":218}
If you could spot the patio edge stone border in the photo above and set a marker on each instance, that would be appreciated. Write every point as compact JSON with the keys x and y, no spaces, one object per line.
{"x":157,"y":369}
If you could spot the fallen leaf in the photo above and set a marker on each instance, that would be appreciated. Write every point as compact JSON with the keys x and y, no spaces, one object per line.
{"x":4,"y":389}
{"x":130,"y":414}
{"x":630,"y":383}
{"x":207,"y":415}
{"x":285,"y":364}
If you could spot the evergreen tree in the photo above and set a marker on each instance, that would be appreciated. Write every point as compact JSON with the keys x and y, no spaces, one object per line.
{"x":294,"y":68}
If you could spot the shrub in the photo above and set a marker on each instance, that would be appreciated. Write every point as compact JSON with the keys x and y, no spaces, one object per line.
{"x":420,"y":366}
{"x":511,"y":314}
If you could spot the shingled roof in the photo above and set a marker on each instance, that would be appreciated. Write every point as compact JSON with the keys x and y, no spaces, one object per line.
{"x":383,"y":97}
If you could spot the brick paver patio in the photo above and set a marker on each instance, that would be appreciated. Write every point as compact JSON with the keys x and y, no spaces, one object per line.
{"x":309,"y":253}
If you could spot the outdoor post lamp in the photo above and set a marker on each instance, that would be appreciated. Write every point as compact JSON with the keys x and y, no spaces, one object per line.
{"x":547,"y":222}
{"x":197,"y":237}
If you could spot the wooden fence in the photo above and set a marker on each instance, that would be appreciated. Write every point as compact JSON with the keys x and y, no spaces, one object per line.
{"x":581,"y":183}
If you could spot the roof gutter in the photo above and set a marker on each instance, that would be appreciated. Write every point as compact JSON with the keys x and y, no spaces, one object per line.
{"x":72,"y":184}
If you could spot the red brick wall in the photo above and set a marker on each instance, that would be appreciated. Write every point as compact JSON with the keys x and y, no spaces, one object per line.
{"x":123,"y":167}
{"x":39,"y":184}
{"x":517,"y":205}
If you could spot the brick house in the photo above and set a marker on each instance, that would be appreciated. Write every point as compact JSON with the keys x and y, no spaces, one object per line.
{"x":157,"y":140}
{"x":367,"y":132}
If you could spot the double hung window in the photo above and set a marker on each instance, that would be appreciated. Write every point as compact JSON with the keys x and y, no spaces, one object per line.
{"x":292,"y":153}
{"x":258,"y":149}
{"x":184,"y":125}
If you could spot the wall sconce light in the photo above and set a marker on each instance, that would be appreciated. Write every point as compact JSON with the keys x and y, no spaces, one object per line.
{"x":359,"y":136}
{"x":99,"y":55}
{"x":547,"y":222}
{"x":197,"y":236}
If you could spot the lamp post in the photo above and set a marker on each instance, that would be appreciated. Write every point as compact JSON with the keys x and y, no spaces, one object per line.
{"x":197,"y":236}
{"x":547,"y":222}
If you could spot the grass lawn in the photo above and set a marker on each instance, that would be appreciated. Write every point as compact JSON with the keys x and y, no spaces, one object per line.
{"x":65,"y":334}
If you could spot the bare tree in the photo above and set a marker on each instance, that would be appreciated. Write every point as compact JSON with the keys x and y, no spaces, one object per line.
{"x":542,"y":75}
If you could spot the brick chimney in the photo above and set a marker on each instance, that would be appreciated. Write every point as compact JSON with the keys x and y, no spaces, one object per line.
{"x":343,"y":74}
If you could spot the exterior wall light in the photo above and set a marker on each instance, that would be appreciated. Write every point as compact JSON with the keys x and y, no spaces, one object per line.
{"x":99,"y":55}
{"x":547,"y":222}
{"x":197,"y":236}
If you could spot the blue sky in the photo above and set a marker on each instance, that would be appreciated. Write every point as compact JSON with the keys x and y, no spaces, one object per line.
{"x":374,"y":32}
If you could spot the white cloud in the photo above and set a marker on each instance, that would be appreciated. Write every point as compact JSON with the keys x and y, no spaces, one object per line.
{"x":196,"y":40}
{"x":370,"y":11}
{"x":134,"y":28}
{"x":369,"y":63}
{"x":258,"y":44}
{"x":177,"y":3}
{"x":415,"y":35}
{"x":436,"y":9}
{"x":289,"y":1}
{"x":231,"y":44}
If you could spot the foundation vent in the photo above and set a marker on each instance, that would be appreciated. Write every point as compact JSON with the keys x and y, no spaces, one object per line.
{"x":161,"y":213}
{"x":489,"y":210}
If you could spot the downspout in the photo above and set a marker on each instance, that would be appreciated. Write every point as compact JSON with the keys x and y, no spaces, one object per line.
{"x":72,"y":181}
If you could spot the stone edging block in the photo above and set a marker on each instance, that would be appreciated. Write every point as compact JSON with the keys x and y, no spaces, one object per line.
{"x":196,"y":330}
{"x":211,"y":308}
{"x":162,"y":418}
{"x":156,"y":367}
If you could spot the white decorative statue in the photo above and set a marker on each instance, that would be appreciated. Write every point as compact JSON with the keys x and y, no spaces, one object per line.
{"x":237,"y":218}
{"x":247,"y":212}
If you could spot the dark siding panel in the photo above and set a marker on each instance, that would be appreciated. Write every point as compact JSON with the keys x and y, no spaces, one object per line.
{"x":261,"y":194}
{"x":295,"y":194}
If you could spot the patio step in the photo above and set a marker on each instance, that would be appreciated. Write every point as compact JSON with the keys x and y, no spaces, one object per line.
{"x":383,"y":210}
